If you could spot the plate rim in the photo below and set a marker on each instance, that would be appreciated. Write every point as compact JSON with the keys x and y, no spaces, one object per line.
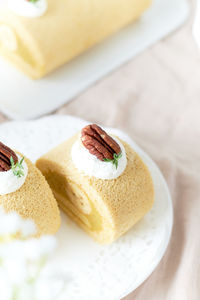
{"x":169,"y":232}
{"x":130,"y":289}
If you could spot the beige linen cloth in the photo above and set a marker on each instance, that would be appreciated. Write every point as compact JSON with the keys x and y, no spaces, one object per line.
{"x":155,"y":98}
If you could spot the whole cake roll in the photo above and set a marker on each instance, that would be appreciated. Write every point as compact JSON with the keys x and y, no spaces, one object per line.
{"x":24,"y":189}
{"x":100,"y":182}
{"x":39,"y":36}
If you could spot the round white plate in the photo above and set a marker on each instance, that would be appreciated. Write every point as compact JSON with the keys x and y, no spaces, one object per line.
{"x":94,"y":271}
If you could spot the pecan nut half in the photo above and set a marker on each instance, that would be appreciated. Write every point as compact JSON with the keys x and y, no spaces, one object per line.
{"x":5,"y":155}
{"x":99,"y":143}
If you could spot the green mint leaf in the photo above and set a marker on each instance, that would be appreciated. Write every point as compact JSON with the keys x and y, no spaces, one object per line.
{"x":115,"y":159}
{"x":17,"y":168}
{"x":33,"y":1}
{"x":21,"y":161}
{"x":116,"y":164}
{"x":108,"y":160}
{"x":12,"y":161}
{"x":120,"y":155}
{"x":20,"y":174}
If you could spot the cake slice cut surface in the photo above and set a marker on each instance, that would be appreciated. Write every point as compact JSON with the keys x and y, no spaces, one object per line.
{"x":104,"y":208}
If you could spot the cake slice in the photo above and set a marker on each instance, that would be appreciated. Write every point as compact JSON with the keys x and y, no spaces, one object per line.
{"x":100,"y":182}
{"x":24,"y":189}
{"x":40,"y":44}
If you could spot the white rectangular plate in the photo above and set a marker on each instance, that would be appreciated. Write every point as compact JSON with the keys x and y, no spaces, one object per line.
{"x":22,"y":98}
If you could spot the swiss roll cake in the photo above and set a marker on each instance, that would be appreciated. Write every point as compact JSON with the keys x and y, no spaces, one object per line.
{"x":23,"y":189}
{"x":39,"y":36}
{"x":100,"y":182}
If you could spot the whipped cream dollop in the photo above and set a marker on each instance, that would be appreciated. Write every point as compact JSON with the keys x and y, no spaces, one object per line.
{"x":8,"y":38}
{"x":10,"y":183}
{"x":90,"y":165}
{"x":27,"y":8}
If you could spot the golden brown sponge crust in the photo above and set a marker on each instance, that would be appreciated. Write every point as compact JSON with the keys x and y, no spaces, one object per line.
{"x":34,"y":200}
{"x":120,"y":202}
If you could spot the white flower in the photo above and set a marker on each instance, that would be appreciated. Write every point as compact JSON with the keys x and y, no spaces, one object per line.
{"x":22,"y":261}
{"x":5,"y":286}
{"x":12,"y":249}
{"x":10,"y":223}
{"x":26,"y":292}
{"x":28,"y":228}
{"x":38,"y":248}
{"x":16,"y":271}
